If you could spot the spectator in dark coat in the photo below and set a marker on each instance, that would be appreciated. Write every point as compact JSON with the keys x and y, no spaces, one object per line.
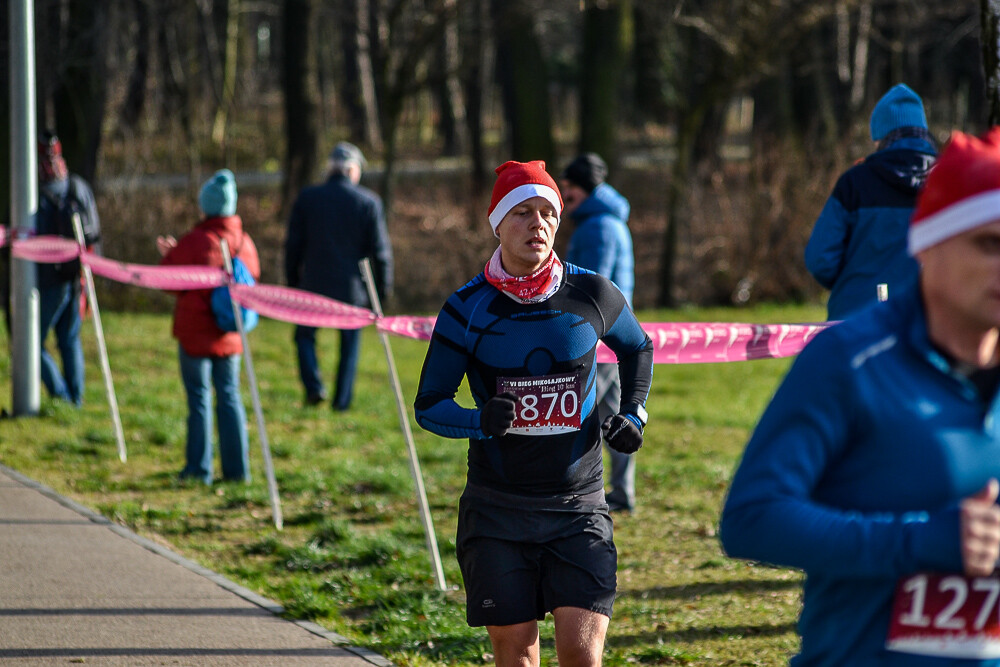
{"x":61,"y":195}
{"x":332,"y":227}
{"x":859,"y":240}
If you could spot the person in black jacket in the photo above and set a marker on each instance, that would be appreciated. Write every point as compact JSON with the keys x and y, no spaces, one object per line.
{"x":61,"y":195}
{"x":332,"y":227}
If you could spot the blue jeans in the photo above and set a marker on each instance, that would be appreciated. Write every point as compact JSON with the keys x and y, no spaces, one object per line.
{"x":224,"y":374}
{"x":59,"y":310}
{"x":350,"y":347}
{"x":609,"y":394}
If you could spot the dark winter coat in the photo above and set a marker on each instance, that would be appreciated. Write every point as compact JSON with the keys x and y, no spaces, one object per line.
{"x":332,"y":227}
{"x":859,"y":239}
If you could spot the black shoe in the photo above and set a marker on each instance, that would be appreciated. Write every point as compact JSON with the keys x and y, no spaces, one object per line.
{"x":615,"y":506}
{"x":316,"y":399}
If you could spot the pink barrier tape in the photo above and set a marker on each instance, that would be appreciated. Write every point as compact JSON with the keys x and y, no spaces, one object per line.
{"x":408,"y":326}
{"x":673,"y":342}
{"x":173,"y":278}
{"x":45,"y":249}
{"x":300,"y":307}
{"x":676,"y":342}
{"x":713,"y":342}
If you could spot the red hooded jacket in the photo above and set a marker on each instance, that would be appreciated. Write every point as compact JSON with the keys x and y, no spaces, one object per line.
{"x":194,"y":325}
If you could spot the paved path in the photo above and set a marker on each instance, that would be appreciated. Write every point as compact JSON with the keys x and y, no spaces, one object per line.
{"x":77,"y":589}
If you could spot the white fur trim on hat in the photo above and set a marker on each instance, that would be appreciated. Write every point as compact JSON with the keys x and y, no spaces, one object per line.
{"x":523,"y":193}
{"x":950,"y":221}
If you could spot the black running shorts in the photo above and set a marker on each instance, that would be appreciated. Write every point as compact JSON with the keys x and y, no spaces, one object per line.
{"x":510,"y":581}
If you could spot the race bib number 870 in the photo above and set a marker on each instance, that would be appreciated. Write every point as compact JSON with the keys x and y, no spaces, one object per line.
{"x":547,"y":404}
{"x":946,"y":615}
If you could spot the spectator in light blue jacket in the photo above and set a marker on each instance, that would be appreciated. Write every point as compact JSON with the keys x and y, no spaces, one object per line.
{"x":601,"y":243}
{"x":859,"y":240}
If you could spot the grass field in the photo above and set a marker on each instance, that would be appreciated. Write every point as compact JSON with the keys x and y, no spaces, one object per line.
{"x":352,"y":555}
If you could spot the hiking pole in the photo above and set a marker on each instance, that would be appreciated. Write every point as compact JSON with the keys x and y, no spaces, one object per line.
{"x":265,"y":447}
{"x":102,"y":349}
{"x":404,"y":422}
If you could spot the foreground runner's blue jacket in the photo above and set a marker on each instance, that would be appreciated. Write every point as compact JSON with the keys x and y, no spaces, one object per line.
{"x":859,"y":239}
{"x":483,"y":334}
{"x":854,"y":475}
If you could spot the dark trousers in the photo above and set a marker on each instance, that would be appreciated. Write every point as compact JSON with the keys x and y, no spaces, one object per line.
{"x":350,"y":346}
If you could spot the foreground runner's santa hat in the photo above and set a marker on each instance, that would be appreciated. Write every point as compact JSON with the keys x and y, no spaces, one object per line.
{"x":517,"y":182}
{"x":962,"y":190}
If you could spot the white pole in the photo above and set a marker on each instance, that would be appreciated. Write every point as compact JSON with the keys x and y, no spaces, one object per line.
{"x":102,"y":348}
{"x":404,"y":422}
{"x":265,"y":447}
{"x":26,"y":344}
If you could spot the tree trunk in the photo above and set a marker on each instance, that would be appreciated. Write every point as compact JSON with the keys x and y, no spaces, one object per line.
{"x":229,"y":67}
{"x":449,"y":90}
{"x":366,"y":74}
{"x":474,"y":83}
{"x":135,"y":95}
{"x":859,"y":75}
{"x":81,"y":92}
{"x":352,"y":95}
{"x":299,"y":99}
{"x":990,"y":42}
{"x":524,"y":82}
{"x":607,"y":45}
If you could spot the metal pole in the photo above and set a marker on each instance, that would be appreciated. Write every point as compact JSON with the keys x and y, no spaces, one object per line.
{"x":265,"y":447}
{"x":404,"y":423}
{"x":25,"y":343}
{"x":102,"y":348}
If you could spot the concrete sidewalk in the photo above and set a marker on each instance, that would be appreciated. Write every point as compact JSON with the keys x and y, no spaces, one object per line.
{"x":77,"y":589}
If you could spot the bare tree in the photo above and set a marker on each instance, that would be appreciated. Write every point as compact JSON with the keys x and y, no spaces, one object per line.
{"x":990,"y":39}
{"x":81,"y":87}
{"x":607,"y":45}
{"x":524,"y":81}
{"x":299,"y":98}
{"x":135,"y":91}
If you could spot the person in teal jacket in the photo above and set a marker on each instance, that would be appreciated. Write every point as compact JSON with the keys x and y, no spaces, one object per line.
{"x":601,"y":242}
{"x":859,"y":239}
{"x":874,"y":468}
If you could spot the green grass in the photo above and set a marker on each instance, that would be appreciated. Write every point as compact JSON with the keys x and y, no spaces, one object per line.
{"x":352,"y":555}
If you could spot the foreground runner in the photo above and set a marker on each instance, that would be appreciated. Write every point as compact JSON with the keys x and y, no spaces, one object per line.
{"x":875,"y":467}
{"x":534,"y":534}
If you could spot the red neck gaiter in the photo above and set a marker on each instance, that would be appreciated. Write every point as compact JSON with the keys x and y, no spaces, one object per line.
{"x":532,"y":288}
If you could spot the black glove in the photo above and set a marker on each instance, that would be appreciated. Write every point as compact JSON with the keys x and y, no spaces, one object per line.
{"x":621,"y":434}
{"x":498,"y":414}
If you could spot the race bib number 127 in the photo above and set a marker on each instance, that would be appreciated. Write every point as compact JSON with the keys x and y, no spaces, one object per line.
{"x":547,"y":404}
{"x":946,"y":615}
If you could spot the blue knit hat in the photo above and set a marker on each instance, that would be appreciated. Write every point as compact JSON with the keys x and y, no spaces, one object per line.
{"x":218,"y":195}
{"x":900,"y":107}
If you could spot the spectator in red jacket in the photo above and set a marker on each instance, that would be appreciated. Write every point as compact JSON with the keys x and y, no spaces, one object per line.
{"x":208,"y":355}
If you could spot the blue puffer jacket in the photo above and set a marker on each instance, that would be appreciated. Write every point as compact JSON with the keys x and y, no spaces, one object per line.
{"x":859,"y":239}
{"x":854,"y":475}
{"x":601,"y":242}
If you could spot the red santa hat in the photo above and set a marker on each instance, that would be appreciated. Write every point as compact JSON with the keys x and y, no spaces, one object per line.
{"x":520,"y":181}
{"x":962,"y":190}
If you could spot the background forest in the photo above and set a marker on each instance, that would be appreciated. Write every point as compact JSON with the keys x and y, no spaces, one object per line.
{"x":725,"y":122}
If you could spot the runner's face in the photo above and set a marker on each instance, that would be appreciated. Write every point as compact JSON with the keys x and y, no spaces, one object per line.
{"x":960,"y":278}
{"x":526,"y":236}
